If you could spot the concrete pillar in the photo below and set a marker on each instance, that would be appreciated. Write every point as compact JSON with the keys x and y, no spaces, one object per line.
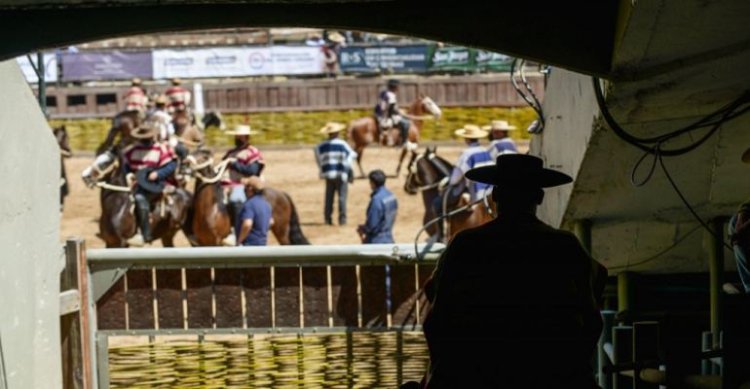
{"x":31,"y":256}
{"x":582,"y":229}
{"x":624,"y":291}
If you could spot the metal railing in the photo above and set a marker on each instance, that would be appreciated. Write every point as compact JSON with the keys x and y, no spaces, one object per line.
{"x":300,"y":290}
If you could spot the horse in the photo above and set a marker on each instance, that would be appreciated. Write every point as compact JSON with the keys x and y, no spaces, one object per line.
{"x":425,"y":172}
{"x":361,"y":132}
{"x":61,"y":135}
{"x":210,"y":222}
{"x":117,"y":223}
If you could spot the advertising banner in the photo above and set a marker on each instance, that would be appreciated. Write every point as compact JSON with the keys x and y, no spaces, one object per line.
{"x":449,"y":59}
{"x":237,"y":62}
{"x":493,"y":62}
{"x":110,"y":65}
{"x":376,"y":59}
{"x":50,"y":67}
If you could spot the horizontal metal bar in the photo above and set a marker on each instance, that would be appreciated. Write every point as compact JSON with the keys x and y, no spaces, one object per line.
{"x":254,"y":331}
{"x":219,"y":257}
{"x":70,"y":301}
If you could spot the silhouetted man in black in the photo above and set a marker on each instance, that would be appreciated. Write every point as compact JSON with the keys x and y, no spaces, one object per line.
{"x":515,"y":300}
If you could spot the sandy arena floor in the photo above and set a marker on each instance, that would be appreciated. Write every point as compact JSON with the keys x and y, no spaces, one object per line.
{"x":292,"y":170}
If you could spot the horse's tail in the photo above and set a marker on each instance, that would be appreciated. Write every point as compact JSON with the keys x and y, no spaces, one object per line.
{"x":295,"y":229}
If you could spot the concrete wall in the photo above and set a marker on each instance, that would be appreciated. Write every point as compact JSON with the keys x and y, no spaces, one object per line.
{"x":570,"y":109}
{"x":30,"y":251}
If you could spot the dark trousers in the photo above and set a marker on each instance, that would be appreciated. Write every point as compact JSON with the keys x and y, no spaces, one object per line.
{"x":340,"y":186}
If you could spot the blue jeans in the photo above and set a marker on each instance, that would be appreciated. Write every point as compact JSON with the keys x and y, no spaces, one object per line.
{"x":237,"y":199}
{"x":340,"y":186}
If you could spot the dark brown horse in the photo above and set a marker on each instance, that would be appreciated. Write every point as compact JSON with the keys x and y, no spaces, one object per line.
{"x":210,"y":221}
{"x":364,"y":131}
{"x":61,"y":135}
{"x":117,"y":223}
{"x":426,"y":171}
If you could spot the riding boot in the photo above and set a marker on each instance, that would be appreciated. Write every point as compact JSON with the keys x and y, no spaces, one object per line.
{"x":143,"y":211}
{"x":404,"y":127}
{"x":234,"y":208}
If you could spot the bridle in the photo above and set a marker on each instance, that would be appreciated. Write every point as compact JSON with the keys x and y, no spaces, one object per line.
{"x":413,"y":173}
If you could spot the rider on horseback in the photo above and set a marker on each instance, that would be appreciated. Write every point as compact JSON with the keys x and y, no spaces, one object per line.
{"x":474,"y":156}
{"x":136,"y":98}
{"x":247,"y":161}
{"x":153,"y":163}
{"x":387,"y":113}
{"x":178,"y":96}
{"x":500,"y":143}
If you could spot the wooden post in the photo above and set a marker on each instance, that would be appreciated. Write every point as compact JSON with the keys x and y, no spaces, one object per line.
{"x":76,"y":327}
{"x":716,"y":274}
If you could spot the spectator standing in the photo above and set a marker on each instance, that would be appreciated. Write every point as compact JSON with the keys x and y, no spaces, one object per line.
{"x":381,"y":213}
{"x":335,"y":157}
{"x":255,"y":216}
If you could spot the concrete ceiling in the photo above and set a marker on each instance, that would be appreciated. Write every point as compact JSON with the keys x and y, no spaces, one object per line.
{"x":674,"y":62}
{"x":575,"y":35}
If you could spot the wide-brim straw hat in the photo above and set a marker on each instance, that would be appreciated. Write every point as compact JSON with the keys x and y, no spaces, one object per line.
{"x":242,"y":129}
{"x":161,"y":99}
{"x":499,"y":125}
{"x":145,"y":131}
{"x":332,"y":127}
{"x":471,"y":131}
{"x":253,"y":182}
{"x":336,"y":37}
{"x":176,"y":81}
{"x":518,"y":170}
{"x":136,"y":82}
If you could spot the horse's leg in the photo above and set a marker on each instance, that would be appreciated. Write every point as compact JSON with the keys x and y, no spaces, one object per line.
{"x":281,"y":232}
{"x":360,"y":150}
{"x":167,"y":240}
{"x":401,"y":160}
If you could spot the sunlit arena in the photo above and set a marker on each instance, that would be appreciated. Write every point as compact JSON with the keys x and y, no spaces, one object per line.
{"x":374,"y":194}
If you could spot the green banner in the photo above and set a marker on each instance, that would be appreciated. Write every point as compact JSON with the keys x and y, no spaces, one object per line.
{"x":452,"y":59}
{"x":493,"y":62}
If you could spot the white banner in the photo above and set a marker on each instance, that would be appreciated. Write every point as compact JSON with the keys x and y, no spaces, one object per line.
{"x":50,"y":67}
{"x":237,"y":62}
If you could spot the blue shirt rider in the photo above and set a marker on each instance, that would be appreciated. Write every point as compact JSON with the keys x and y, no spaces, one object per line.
{"x":381,"y":213}
{"x":387,"y":113}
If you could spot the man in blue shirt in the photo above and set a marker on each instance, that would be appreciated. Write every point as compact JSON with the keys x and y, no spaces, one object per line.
{"x":334,"y":157}
{"x":255,"y":216}
{"x":381,"y":213}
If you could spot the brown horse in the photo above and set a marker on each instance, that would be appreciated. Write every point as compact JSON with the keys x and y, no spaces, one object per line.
{"x":210,"y":221}
{"x":426,"y":171}
{"x":364,"y":131}
{"x":117,"y":223}
{"x":61,"y":135}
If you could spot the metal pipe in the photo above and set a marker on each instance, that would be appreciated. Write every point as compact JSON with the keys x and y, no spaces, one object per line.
{"x":716,"y":274}
{"x":341,"y":255}
{"x":624,"y":291}
{"x":42,"y":83}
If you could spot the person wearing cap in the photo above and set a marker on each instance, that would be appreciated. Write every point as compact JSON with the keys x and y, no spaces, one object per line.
{"x":381,"y":212}
{"x":135,"y":97}
{"x":179,"y":97}
{"x":500,"y":142}
{"x":246,"y":161}
{"x":474,"y":156}
{"x":255,"y":216}
{"x":387,"y":113}
{"x":335,"y":158}
{"x":158,"y":162}
{"x":513,"y":289}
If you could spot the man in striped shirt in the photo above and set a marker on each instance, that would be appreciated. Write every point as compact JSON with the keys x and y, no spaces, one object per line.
{"x":334,"y":158}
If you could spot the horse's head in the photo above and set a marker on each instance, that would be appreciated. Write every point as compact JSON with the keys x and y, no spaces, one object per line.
{"x":212,"y":119}
{"x":61,"y":135}
{"x":426,"y":170}
{"x":429,"y":105}
{"x":201,"y":161}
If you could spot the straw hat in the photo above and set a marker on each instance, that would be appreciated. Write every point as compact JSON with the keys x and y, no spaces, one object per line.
{"x":242,"y":129}
{"x":518,"y":170}
{"x":176,"y":81}
{"x":161,"y":99}
{"x":332,"y":127}
{"x":336,"y":37}
{"x":147,"y":130}
{"x":471,"y":131}
{"x":253,"y":182}
{"x":499,"y":125}
{"x":136,"y":82}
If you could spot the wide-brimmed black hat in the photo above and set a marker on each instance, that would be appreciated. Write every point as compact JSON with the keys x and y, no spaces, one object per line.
{"x":141,"y":177}
{"x":518,"y":170}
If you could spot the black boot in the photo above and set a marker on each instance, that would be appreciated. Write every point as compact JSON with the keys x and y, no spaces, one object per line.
{"x":142,"y":214}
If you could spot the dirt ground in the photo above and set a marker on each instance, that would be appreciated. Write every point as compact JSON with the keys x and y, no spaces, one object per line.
{"x":292,"y":170}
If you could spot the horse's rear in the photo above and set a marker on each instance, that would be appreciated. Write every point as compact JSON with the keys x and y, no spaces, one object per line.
{"x":210,"y":222}
{"x":286,"y":226}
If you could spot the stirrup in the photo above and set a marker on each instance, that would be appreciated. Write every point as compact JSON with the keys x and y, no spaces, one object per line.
{"x":230,"y":240}
{"x":137,"y":240}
